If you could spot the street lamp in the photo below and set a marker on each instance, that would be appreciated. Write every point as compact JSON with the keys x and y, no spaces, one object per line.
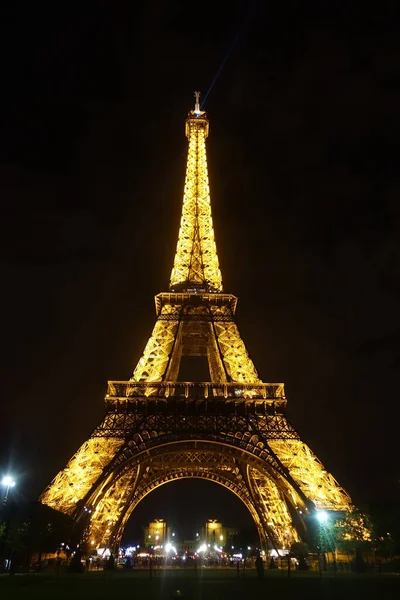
{"x":8,"y":482}
{"x":322,"y":516}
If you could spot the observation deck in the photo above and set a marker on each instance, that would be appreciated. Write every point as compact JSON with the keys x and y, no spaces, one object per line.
{"x":195,"y":298}
{"x":267,"y":396}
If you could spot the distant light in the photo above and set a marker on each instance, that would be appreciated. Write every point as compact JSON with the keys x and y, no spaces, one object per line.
{"x":221,"y":537}
{"x":173,"y":535}
{"x":322,"y":516}
{"x":248,"y":547}
{"x":8,"y":481}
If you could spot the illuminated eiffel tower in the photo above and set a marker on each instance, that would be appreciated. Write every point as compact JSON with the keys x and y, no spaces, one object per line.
{"x":231,"y":429}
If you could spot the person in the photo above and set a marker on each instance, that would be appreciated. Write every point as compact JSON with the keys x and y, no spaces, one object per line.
{"x":76,"y":566}
{"x":110,"y":563}
{"x":260,"y":566}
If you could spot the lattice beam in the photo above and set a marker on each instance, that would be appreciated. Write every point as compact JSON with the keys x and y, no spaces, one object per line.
{"x":274,"y":508}
{"x":305,"y":468}
{"x":238,"y":363}
{"x":82,"y":471}
{"x":152,"y":365}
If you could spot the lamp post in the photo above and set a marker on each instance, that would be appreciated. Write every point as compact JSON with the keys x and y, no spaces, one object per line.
{"x":322,"y":517}
{"x":8,"y":482}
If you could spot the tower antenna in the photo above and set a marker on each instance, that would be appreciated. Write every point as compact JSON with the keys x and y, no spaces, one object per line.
{"x":197,"y":103}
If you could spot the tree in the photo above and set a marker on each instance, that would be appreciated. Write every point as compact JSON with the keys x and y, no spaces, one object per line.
{"x":386,"y":546}
{"x":33,"y":528}
{"x":355,"y":533}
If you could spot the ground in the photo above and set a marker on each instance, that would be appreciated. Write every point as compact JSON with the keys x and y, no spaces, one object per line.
{"x":207,"y":585}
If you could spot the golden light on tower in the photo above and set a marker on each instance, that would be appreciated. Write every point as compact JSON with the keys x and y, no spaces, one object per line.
{"x":231,"y":429}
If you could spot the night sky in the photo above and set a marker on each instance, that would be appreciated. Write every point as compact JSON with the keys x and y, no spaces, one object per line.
{"x":303,"y":165}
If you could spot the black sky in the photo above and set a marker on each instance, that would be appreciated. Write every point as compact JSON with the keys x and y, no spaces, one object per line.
{"x":303,"y":164}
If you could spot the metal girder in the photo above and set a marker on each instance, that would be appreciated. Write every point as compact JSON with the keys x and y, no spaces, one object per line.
{"x":151,"y":366}
{"x":316,"y":483}
{"x":238,"y":363}
{"x":274,"y":508}
{"x":83,"y":470}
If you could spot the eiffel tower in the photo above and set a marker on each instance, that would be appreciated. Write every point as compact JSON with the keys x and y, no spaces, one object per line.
{"x":231,"y":429}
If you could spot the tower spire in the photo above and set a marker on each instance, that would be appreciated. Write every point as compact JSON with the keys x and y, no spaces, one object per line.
{"x":196,"y":263}
{"x":197,"y":103}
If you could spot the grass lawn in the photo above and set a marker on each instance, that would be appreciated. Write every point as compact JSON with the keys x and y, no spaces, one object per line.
{"x":207,"y":585}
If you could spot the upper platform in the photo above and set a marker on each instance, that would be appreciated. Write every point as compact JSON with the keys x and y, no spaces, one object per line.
{"x":195,"y":298}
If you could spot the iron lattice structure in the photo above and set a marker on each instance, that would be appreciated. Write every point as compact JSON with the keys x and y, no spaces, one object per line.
{"x":231,"y":430}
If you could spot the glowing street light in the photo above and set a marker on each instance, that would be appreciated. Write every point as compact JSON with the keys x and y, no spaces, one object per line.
{"x":8,"y":482}
{"x":322,"y":516}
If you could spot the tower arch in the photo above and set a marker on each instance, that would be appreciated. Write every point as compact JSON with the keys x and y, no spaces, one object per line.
{"x":226,"y":484}
{"x":271,"y":499}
